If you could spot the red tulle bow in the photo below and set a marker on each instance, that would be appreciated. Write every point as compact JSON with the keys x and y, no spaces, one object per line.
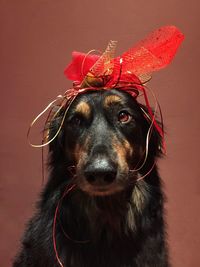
{"x":156,"y":51}
{"x":129,"y":71}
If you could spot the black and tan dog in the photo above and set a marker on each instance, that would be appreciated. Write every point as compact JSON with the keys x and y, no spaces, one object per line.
{"x":111,"y":218}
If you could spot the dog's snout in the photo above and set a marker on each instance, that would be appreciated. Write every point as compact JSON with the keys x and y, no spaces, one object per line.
{"x":100,"y":172}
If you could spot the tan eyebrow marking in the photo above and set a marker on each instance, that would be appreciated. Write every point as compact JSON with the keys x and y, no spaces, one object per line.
{"x":111,"y":99}
{"x":84,"y":109}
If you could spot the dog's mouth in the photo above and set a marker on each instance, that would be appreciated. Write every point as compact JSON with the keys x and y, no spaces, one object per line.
{"x":100,"y":190}
{"x":102,"y":187}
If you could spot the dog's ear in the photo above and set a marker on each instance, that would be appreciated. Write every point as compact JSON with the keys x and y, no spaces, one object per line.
{"x":56,"y":132}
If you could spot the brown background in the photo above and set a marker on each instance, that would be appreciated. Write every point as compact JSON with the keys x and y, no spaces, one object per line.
{"x":37,"y":37}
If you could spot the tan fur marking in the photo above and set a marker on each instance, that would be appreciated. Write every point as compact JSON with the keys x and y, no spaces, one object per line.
{"x":84,"y":109}
{"x":139,"y":195}
{"x":128,"y":148}
{"x":77,"y":152}
{"x":111,"y":99}
{"x":121,"y":153}
{"x":80,"y":151}
{"x":138,"y":199}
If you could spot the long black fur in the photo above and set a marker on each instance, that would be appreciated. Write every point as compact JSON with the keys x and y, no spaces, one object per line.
{"x":119,"y":228}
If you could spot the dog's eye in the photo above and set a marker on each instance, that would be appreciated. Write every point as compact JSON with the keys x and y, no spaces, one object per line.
{"x":75,"y":121}
{"x":124,"y":117}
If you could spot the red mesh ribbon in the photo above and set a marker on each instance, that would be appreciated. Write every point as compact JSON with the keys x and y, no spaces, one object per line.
{"x":130,"y":70}
{"x":154,"y":52}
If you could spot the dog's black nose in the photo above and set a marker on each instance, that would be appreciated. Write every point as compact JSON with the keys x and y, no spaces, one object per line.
{"x":100,"y":172}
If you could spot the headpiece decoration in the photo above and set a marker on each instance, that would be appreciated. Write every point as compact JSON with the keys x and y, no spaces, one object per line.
{"x":128,"y":72}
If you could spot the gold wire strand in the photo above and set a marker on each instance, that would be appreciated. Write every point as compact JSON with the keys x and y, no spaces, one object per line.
{"x":149,"y":130}
{"x":61,"y":124}
{"x":142,"y":177}
{"x":42,"y":153}
{"x":82,"y":67}
{"x":37,"y":117}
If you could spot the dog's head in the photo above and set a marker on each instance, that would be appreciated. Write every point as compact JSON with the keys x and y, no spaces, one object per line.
{"x":104,"y":138}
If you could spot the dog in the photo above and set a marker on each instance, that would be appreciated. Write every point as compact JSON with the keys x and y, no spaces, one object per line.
{"x":102,"y":205}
